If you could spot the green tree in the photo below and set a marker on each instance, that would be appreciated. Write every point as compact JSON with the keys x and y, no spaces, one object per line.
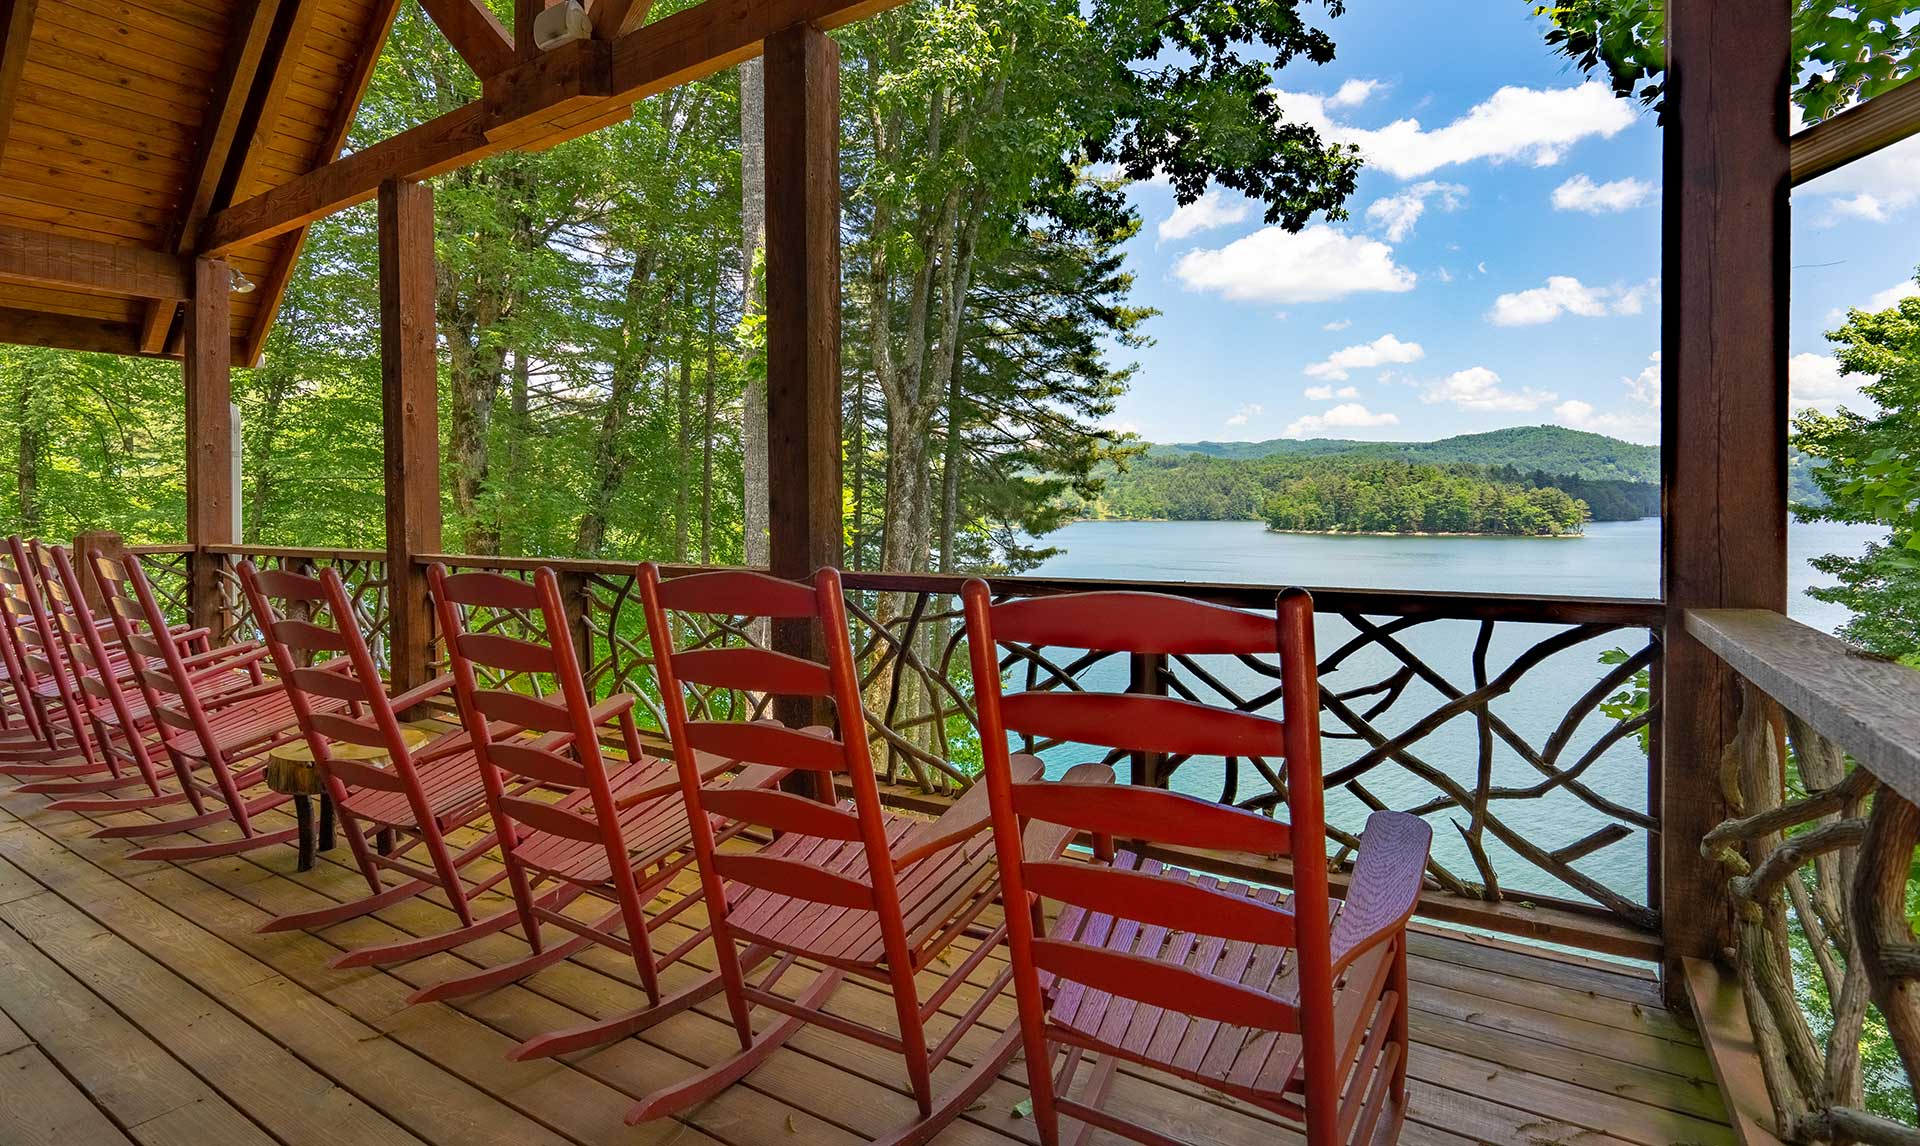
{"x":1867,"y":463}
{"x":1841,"y":52}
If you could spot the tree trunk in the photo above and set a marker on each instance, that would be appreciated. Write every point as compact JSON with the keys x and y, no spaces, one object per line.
{"x":950,"y":467}
{"x":753,"y":212}
{"x":611,"y":454}
{"x":706,"y":449}
{"x":684,"y":451}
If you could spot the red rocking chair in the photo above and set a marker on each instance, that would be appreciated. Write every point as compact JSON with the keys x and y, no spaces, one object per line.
{"x":1299,"y":1007}
{"x":846,"y":885}
{"x":617,"y":833}
{"x":216,"y":735}
{"x":419,"y":794}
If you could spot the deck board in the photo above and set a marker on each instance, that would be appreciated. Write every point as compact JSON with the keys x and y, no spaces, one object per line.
{"x":245,"y":1037}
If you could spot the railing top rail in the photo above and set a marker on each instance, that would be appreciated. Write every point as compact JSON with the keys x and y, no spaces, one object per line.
{"x":297,"y":551}
{"x":1379,"y":602}
{"x":156,"y":550}
{"x":1861,"y":702}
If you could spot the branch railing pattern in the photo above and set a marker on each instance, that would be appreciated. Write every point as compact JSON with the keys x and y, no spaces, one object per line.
{"x":168,"y":571}
{"x":1496,"y":716}
{"x":1820,"y":856}
{"x":364,"y":571}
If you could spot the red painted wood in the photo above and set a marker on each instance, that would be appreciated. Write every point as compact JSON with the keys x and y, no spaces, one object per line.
{"x":1207,"y":980}
{"x":832,"y":886}
{"x":1142,"y":723}
{"x":1143,"y":622}
{"x":752,"y":670}
{"x":1140,"y":813}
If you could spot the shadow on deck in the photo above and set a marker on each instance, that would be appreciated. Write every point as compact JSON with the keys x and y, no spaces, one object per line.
{"x":140,"y":1006}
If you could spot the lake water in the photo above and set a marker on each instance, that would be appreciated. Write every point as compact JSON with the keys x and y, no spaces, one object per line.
{"x":1613,"y":559}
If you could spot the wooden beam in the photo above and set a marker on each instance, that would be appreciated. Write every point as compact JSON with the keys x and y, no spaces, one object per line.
{"x":68,"y":332}
{"x":16,"y":30}
{"x":211,"y":497}
{"x":613,"y":19}
{"x":1723,"y":415}
{"x":677,"y":49}
{"x":1856,"y":132}
{"x":73,"y":263}
{"x":274,"y":286}
{"x":475,"y":32}
{"x":803,"y":321}
{"x":409,"y":408}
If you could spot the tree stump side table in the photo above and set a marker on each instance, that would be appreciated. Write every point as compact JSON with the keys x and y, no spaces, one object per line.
{"x":291,"y":771}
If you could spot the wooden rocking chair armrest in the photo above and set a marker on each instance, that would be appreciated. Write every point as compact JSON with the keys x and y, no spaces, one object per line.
{"x":427,"y":691}
{"x":617,"y":704}
{"x":967,"y":817}
{"x":1387,"y":876}
{"x":1047,"y":841}
{"x":185,"y":638}
{"x":222,"y":658}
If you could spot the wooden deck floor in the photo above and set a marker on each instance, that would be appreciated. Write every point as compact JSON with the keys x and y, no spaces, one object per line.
{"x":139,"y":1006}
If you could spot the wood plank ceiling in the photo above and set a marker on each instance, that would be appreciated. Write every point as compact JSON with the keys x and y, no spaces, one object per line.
{"x":126,"y":123}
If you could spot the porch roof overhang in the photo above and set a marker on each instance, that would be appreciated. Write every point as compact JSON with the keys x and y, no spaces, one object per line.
{"x":135,"y":136}
{"x":125,"y":126}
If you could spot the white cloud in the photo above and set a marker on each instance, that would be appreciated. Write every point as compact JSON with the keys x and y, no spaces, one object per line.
{"x":1478,"y":388}
{"x":1514,"y":123}
{"x":1382,"y":351}
{"x":1876,"y":189}
{"x":1397,"y":214}
{"x":1879,"y":301}
{"x":1564,"y":294}
{"x":1245,"y":413}
{"x":1328,"y":393}
{"x":1340,"y":324}
{"x":1210,"y":210}
{"x":1353,"y":93}
{"x":1815,"y":380}
{"x":1315,"y":265}
{"x":1640,"y":422}
{"x":1347,"y":416}
{"x":1583,"y":194}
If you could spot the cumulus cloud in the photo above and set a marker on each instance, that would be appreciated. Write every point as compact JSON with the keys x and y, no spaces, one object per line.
{"x":1246,"y":413}
{"x":1564,"y":294}
{"x":1583,"y":194}
{"x":1876,"y":189}
{"x":1353,"y":93}
{"x":1210,"y":210}
{"x":1315,"y":265}
{"x":1346,"y":416}
{"x":1639,"y":421}
{"x":1816,"y":380}
{"x":1383,"y":351}
{"x":1397,"y":214}
{"x":1478,"y":388}
{"x":1328,"y":393}
{"x":1534,"y":125}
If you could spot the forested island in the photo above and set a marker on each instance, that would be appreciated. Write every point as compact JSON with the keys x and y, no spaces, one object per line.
{"x":1526,"y":481}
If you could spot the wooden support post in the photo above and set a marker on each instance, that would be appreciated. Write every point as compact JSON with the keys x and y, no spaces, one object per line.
{"x":803,"y":316}
{"x":211,"y":497}
{"x":1723,"y":415}
{"x":410,"y":416}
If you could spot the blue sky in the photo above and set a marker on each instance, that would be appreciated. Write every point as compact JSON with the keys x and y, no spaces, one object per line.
{"x":1501,"y":265}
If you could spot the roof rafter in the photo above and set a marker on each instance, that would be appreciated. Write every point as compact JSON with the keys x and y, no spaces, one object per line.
{"x":275,"y":285}
{"x":1857,"y":132}
{"x":556,"y":95}
{"x":245,"y":51}
{"x":475,"y":32}
{"x":16,"y":29}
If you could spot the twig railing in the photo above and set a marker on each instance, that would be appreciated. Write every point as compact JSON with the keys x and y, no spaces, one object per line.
{"x":1822,"y":775}
{"x":1521,"y":726}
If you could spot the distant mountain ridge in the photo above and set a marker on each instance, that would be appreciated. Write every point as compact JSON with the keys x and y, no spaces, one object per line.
{"x":1547,"y":449}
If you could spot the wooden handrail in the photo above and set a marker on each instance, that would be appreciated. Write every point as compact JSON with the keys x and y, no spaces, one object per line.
{"x":296,"y":552}
{"x":1868,"y":705}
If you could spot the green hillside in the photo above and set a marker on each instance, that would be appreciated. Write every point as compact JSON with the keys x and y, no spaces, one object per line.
{"x":1553,"y":450}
